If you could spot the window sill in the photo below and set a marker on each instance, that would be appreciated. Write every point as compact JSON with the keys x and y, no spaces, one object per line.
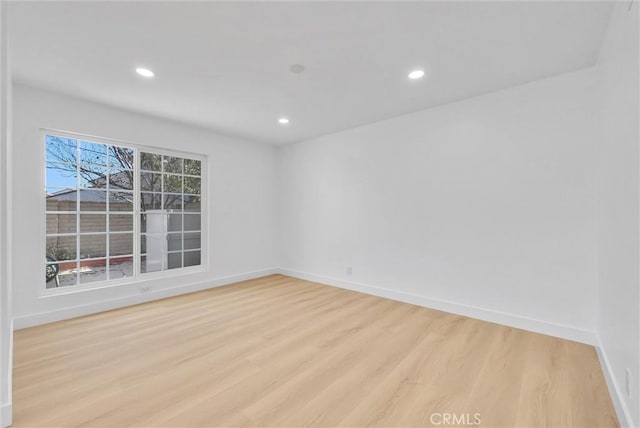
{"x":131,"y":281}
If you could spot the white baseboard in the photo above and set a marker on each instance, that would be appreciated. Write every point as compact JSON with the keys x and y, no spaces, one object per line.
{"x":624,"y":416}
{"x":511,"y":320}
{"x":6,"y":415}
{"x":106,"y":305}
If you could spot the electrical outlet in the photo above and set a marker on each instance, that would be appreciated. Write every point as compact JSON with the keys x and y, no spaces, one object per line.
{"x":627,"y":382}
{"x":349,"y":270}
{"x":145,"y":289}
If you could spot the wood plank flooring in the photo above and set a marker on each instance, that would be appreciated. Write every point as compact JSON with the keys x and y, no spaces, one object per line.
{"x":278,"y":351}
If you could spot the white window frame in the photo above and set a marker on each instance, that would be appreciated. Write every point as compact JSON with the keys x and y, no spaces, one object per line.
{"x":137,"y":277}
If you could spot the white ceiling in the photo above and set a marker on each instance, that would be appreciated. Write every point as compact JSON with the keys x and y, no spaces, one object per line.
{"x":225,"y":66}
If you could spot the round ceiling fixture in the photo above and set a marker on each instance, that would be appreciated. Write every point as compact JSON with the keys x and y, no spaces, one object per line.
{"x":297,"y":68}
{"x":145,"y":72}
{"x":416,"y":74}
{"x":283,"y":121}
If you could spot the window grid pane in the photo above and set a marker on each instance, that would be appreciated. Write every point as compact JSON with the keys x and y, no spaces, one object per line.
{"x":176,"y":211}
{"x":80,"y":175}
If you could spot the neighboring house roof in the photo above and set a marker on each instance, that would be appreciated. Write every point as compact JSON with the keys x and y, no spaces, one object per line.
{"x":86,"y":195}
{"x":62,"y":195}
{"x":120,"y":180}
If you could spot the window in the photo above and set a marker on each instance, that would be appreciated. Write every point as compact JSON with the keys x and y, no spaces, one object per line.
{"x":114,"y":211}
{"x":170,"y":198}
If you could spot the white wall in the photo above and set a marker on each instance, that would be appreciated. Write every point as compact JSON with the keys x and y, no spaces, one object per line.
{"x":487,"y":207}
{"x":618,"y":195}
{"x":484,"y":207}
{"x":6,"y":329}
{"x":240,"y":205}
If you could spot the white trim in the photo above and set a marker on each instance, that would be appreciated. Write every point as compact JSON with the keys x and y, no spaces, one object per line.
{"x":155,"y":294}
{"x":137,"y":276}
{"x":130,"y":280}
{"x":6,"y":411}
{"x":511,"y":320}
{"x":6,"y":235}
{"x":6,"y":415}
{"x":114,"y":141}
{"x":620,"y":405}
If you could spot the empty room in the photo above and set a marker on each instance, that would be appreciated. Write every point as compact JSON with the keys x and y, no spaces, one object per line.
{"x":319,"y":214}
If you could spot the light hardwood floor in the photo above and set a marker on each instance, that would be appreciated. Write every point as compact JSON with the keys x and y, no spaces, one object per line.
{"x":278,"y":351}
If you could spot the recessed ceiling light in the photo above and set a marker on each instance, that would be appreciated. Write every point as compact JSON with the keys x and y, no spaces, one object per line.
{"x":144,"y":72}
{"x":283,"y":121}
{"x":416,"y":74}
{"x":297,"y":68}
